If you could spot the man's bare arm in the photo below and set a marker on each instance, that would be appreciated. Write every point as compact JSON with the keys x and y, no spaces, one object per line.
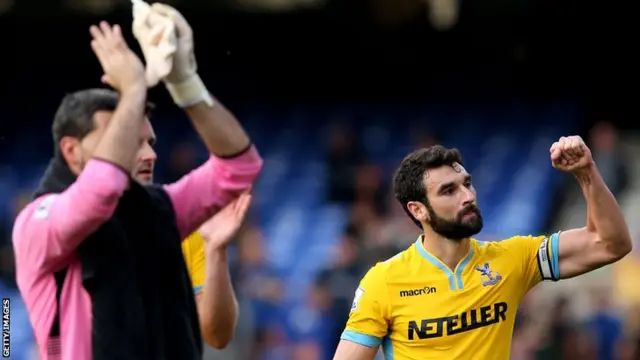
{"x":605,"y":238}
{"x":217,"y":305}
{"x":122,"y":136}
{"x":124,"y":71}
{"x":219,"y":129}
{"x":348,"y":350}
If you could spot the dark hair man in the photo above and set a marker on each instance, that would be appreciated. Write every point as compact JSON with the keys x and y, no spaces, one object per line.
{"x":98,"y":255}
{"x":449,"y":296}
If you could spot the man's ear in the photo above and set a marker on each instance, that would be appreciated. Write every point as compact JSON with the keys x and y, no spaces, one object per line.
{"x":69,"y":149}
{"x":418,"y":210}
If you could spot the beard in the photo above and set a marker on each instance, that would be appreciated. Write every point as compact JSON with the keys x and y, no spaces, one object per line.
{"x":458,"y":228}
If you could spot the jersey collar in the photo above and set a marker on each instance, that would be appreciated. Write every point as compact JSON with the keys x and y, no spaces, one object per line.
{"x":455,"y":276}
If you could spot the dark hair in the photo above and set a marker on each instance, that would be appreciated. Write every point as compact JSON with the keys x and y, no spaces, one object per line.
{"x":74,"y":116}
{"x":408,"y":180}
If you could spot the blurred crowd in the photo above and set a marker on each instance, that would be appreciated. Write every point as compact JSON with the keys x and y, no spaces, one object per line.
{"x":378,"y":228}
{"x":548,"y":330}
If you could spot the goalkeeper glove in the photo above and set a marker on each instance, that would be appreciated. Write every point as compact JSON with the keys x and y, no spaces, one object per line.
{"x":183,"y":82}
{"x":157,"y":37}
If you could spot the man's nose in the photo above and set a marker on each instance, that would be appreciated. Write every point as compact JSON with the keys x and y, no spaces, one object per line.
{"x":468,"y":197}
{"x":148,"y":154}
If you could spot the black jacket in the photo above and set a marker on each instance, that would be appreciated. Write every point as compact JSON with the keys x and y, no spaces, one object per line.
{"x":134,"y":271}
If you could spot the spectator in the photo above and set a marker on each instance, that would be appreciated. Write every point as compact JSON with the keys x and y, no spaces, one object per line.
{"x":260,"y":294}
{"x":609,"y":156}
{"x":604,"y":325}
{"x":630,"y":348}
{"x":313,"y":336}
{"x":558,"y":334}
{"x":369,"y":188}
{"x":398,"y":230}
{"x":7,"y":261}
{"x":342,"y":161}
{"x":182,"y":160}
{"x":341,"y":280}
{"x":421,"y":138}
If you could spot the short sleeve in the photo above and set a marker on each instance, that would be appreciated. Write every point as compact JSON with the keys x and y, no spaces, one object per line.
{"x":193,"y":250}
{"x":368,"y":319}
{"x":539,"y":257}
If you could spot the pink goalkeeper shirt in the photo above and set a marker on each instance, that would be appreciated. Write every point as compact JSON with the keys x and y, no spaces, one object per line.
{"x":48,"y":230}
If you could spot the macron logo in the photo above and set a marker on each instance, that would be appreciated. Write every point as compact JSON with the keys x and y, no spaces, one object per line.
{"x":417,"y":292}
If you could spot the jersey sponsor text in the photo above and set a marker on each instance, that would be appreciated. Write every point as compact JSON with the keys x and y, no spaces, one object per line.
{"x":456,"y":324}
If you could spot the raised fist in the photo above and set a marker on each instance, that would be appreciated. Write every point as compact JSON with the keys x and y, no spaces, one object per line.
{"x":570,"y":154}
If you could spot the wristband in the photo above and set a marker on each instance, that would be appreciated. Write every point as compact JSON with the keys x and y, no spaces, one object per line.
{"x":190,"y":92}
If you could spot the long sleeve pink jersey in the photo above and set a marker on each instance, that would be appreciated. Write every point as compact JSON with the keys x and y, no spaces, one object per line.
{"x":47,"y":232}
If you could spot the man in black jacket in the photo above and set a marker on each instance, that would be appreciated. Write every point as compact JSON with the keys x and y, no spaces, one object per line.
{"x":98,"y":255}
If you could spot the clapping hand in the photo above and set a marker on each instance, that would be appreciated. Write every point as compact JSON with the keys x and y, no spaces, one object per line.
{"x":122,"y":68}
{"x":220,"y":229}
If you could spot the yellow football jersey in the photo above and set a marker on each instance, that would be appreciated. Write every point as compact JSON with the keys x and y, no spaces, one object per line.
{"x":419,"y":309}
{"x":193,"y":251}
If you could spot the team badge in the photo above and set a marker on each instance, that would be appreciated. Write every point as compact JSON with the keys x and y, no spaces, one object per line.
{"x":42,"y":212}
{"x":488,"y":276}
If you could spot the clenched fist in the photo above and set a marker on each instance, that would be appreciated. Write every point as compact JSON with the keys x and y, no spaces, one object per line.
{"x":570,"y":154}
